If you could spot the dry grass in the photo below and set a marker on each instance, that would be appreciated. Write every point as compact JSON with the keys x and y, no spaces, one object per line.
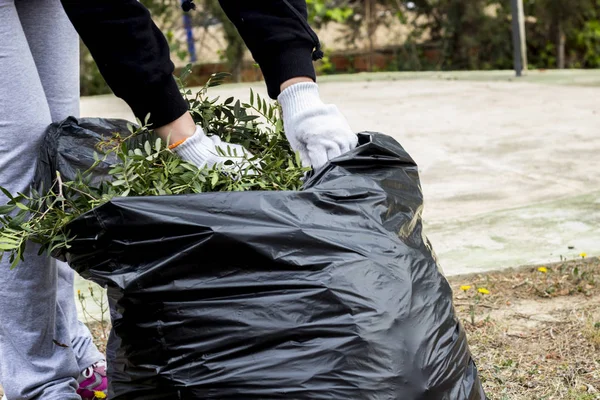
{"x":536,"y":335}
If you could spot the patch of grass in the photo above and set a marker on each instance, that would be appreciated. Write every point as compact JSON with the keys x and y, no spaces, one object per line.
{"x":592,"y":332}
{"x":536,"y":334}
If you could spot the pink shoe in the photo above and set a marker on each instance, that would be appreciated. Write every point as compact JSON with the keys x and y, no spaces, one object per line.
{"x":93,"y":383}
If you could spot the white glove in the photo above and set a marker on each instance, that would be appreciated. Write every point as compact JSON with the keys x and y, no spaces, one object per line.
{"x":203,"y":151}
{"x":318,"y":131}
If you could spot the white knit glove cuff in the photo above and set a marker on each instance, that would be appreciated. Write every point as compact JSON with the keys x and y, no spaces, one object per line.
{"x":201,"y":150}
{"x":298,"y":98}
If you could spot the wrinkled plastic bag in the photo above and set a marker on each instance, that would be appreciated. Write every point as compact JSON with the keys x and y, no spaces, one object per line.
{"x":328,"y":293}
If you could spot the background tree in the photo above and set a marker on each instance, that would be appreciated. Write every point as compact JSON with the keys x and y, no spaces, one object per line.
{"x":361,"y":18}
{"x":473,"y":34}
{"x":442,"y":34}
{"x":562,"y":20}
{"x":235,"y":47}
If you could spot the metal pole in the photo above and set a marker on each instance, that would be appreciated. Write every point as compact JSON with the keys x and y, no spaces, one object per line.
{"x":523,"y":35}
{"x":187,"y":23}
{"x":516,"y":36}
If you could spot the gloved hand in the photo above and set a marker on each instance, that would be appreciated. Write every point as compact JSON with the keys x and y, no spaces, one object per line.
{"x":318,"y":131}
{"x":202,"y":151}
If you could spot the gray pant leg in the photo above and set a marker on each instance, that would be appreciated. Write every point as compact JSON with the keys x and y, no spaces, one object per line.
{"x":85,"y":350}
{"x":32,"y":366}
{"x":55,"y":49}
{"x":54,"y":44}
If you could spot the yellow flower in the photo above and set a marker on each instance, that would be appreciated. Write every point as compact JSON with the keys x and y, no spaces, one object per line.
{"x":78,"y":292}
{"x":543,"y":269}
{"x":464,"y":288}
{"x":483,"y":290}
{"x":583,"y":255}
{"x":99,"y":395}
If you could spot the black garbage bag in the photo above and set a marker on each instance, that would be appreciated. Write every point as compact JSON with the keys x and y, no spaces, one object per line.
{"x":328,"y":293}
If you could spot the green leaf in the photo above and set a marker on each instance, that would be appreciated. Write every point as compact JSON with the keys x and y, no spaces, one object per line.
{"x":251,"y":97}
{"x":22,"y":206}
{"x":214,"y":180}
{"x":248,"y":118}
{"x":6,"y":209}
{"x":148,"y":147}
{"x":6,"y":193}
{"x":8,"y":246}
{"x":18,"y":258}
{"x":279,"y":125}
{"x":237,"y":109}
{"x":185,"y":73}
{"x":189,"y":167}
{"x":17,"y":221}
{"x":229,"y":115}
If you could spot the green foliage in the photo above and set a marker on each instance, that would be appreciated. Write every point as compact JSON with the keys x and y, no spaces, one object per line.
{"x":167,"y":15}
{"x":144,"y":166}
{"x":235,"y":47}
{"x":558,"y":29}
{"x":321,"y":12}
{"x":443,"y":34}
{"x":588,"y":39}
{"x":325,"y":66}
{"x":459,"y":34}
{"x":467,"y":34}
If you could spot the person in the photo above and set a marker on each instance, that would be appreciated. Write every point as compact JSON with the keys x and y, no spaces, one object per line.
{"x":45,"y":352}
{"x":133,"y":56}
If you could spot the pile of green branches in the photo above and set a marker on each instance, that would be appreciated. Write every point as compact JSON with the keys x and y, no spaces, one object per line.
{"x":145,"y":166}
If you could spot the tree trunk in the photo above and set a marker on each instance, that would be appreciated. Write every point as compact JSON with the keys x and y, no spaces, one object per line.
{"x":561,"y":46}
{"x":236,"y":57}
{"x":369,"y":17}
{"x":235,"y":44}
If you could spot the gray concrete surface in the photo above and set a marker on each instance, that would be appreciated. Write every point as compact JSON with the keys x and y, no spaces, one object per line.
{"x":510,"y":170}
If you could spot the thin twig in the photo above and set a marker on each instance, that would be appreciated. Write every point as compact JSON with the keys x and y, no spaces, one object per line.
{"x":478,"y":305}
{"x":525,"y":282}
{"x":60,"y":190}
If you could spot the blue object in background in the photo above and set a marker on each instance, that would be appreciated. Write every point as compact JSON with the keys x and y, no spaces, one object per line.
{"x":187,"y":23}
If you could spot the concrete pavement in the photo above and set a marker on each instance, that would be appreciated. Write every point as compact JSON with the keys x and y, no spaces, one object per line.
{"x":510,"y":170}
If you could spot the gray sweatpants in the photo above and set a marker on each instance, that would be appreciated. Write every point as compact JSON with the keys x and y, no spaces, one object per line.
{"x":39,"y":83}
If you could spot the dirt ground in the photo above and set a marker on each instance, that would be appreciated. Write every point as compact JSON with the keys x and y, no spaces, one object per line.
{"x":534,"y":336}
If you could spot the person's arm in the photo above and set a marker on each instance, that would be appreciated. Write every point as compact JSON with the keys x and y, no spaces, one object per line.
{"x":283,"y":44}
{"x":132,"y":55}
{"x":279,"y":38}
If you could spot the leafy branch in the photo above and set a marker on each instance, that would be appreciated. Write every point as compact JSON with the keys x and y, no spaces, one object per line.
{"x":143,"y":165}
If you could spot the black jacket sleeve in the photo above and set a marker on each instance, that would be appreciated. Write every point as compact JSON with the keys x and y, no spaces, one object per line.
{"x":278,"y":36}
{"x":133,"y":55}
